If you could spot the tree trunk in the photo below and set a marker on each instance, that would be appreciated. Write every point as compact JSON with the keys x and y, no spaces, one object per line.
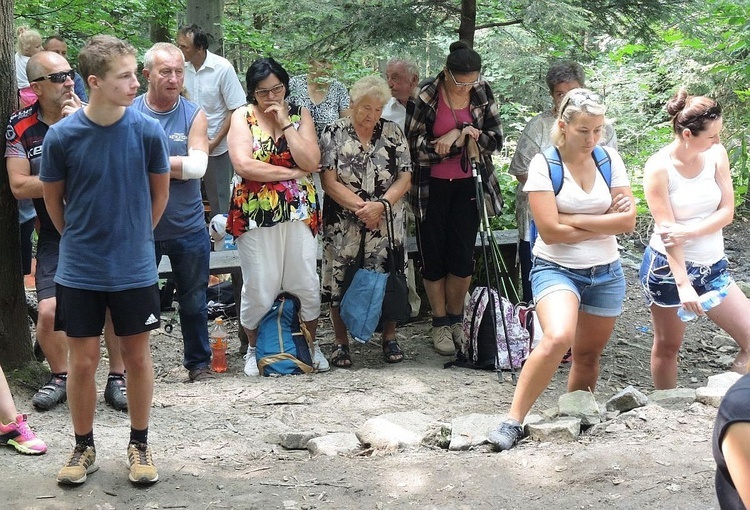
{"x":468,"y":21}
{"x":15,"y":339}
{"x":207,"y":14}
{"x":159,"y":33}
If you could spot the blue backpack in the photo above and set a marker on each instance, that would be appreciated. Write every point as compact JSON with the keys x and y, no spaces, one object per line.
{"x":555,"y":169}
{"x":284,"y":346}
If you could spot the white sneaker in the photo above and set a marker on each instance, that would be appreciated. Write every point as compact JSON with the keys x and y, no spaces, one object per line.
{"x":251,"y":364}
{"x":319,"y":361}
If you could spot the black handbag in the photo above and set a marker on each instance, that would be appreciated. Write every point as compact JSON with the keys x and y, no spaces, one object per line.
{"x":396,"y":306}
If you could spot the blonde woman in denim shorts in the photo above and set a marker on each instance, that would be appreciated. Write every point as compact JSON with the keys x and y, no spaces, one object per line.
{"x":576,"y":278}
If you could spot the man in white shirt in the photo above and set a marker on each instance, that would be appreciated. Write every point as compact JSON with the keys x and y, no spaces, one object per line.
{"x":403,"y":76}
{"x":212,"y":82}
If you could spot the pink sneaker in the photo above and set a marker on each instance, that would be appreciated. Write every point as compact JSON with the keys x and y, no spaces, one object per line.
{"x":18,"y":435}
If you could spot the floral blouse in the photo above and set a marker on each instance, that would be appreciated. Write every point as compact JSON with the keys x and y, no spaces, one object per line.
{"x":264,"y":204}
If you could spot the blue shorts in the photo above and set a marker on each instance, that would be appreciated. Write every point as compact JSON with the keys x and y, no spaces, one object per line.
{"x":600,"y":289}
{"x":658,"y":283}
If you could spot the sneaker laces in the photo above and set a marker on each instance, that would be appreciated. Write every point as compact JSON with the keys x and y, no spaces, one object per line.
{"x":144,"y":454}
{"x":76,"y":456}
{"x":23,"y":428}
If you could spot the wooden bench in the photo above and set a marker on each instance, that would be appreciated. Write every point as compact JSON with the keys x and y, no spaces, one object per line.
{"x":228,"y":262}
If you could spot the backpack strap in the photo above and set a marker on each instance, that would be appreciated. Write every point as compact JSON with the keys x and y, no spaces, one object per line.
{"x":554,"y":167}
{"x":603,"y":163}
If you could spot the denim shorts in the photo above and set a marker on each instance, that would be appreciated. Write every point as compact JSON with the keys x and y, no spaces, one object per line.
{"x":658,"y":283}
{"x":600,"y":289}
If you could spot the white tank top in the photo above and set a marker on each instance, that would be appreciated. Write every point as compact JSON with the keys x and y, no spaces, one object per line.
{"x":692,"y":201}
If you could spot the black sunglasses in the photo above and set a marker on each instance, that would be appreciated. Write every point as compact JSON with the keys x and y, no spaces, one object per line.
{"x":60,"y":77}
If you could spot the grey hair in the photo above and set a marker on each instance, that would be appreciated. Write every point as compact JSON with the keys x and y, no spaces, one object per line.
{"x":564,"y":72}
{"x":590,"y":104}
{"x":370,"y":86}
{"x":148,"y":59}
{"x":409,"y":65}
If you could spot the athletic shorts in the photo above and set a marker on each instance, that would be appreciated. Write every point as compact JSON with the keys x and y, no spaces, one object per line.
{"x":658,"y":283}
{"x":27,"y":246}
{"x":47,"y":255}
{"x":447,"y":235}
{"x":80,"y":313}
{"x":600,"y":289}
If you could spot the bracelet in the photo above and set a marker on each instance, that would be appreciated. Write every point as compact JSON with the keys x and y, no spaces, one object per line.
{"x":287,"y":126}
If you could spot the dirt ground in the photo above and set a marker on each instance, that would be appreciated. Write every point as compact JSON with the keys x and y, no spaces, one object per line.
{"x":214,"y":442}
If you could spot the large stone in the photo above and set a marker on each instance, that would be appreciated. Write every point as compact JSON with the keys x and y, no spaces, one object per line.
{"x":580,"y":404}
{"x":395,"y":430}
{"x":720,"y":341}
{"x":341,"y":443}
{"x":561,"y":429}
{"x":717,"y":387}
{"x":627,"y":399}
{"x":472,"y":430}
{"x":673,"y":399}
{"x":297,"y":440}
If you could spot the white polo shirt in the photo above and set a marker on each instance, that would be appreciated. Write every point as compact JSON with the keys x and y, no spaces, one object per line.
{"x":217,"y":89}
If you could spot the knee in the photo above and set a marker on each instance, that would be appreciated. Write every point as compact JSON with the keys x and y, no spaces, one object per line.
{"x":46,"y":315}
{"x":666,"y":347}
{"x":555,"y":343}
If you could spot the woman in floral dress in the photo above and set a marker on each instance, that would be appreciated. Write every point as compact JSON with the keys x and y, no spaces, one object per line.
{"x":364,"y":159}
{"x":274,"y":214}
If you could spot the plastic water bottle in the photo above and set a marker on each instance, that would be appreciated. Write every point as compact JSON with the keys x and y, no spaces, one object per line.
{"x":218,"y":338}
{"x":708,"y":300}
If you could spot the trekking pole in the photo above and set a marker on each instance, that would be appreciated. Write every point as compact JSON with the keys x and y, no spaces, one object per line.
{"x":472,"y":150}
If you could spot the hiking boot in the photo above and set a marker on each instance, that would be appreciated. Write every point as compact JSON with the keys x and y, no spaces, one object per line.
{"x":142,"y":469}
{"x":319,"y":361}
{"x":18,"y":435}
{"x":50,"y":394}
{"x":201,"y":374}
{"x":116,"y":393}
{"x":251,"y":364}
{"x":442,"y":339}
{"x":80,"y":464}
{"x":457,"y":333}
{"x":506,"y":436}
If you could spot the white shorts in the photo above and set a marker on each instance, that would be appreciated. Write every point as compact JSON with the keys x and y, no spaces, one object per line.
{"x":276,"y":259}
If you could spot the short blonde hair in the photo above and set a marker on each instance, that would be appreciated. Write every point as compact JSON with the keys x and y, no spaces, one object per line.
{"x":27,"y":39}
{"x":372,"y":86}
{"x":576,"y":102}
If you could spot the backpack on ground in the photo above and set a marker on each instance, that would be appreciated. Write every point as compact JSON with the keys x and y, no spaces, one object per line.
{"x":485,"y":347}
{"x":555,"y":169}
{"x":284,"y":345}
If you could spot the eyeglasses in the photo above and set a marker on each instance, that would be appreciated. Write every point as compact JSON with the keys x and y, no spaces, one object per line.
{"x":464,"y":83}
{"x":60,"y":77}
{"x":276,"y":89}
{"x":581,"y":99}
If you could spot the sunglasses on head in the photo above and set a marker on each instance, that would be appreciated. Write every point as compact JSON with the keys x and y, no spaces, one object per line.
{"x":60,"y":77}
{"x":579,"y":99}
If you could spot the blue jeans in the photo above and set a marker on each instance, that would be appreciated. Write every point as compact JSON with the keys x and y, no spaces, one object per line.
{"x":189,"y":256}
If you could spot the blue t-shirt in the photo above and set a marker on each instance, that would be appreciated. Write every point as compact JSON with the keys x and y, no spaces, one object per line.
{"x":184,"y":213}
{"x":108,"y":242}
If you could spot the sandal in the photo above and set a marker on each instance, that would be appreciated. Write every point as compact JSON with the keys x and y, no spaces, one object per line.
{"x":568,"y":357}
{"x":340,"y":357}
{"x":392,"y":352}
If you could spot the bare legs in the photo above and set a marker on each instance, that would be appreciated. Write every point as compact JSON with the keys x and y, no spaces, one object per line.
{"x":447,"y":295}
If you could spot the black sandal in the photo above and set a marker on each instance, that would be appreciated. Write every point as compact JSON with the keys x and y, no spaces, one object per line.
{"x":392,"y":352}
{"x":340,"y":358}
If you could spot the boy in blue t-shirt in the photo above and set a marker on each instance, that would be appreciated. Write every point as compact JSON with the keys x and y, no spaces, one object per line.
{"x":105,"y":173}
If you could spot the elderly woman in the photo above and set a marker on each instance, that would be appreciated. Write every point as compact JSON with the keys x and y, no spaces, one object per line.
{"x":364,"y":159}
{"x":274,"y":214}
{"x":456,"y":105}
{"x":577,"y":279}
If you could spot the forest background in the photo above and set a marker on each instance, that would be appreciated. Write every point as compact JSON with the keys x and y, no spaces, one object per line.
{"x":635,"y":52}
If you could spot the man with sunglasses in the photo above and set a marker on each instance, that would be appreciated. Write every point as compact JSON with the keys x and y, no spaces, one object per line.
{"x":58,"y":45}
{"x":51,"y":79}
{"x":212,"y":83}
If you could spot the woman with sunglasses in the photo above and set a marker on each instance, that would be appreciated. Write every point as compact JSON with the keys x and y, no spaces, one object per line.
{"x":457,"y":105}
{"x":689,"y":191}
{"x":274,"y":214}
{"x":577,"y":280}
